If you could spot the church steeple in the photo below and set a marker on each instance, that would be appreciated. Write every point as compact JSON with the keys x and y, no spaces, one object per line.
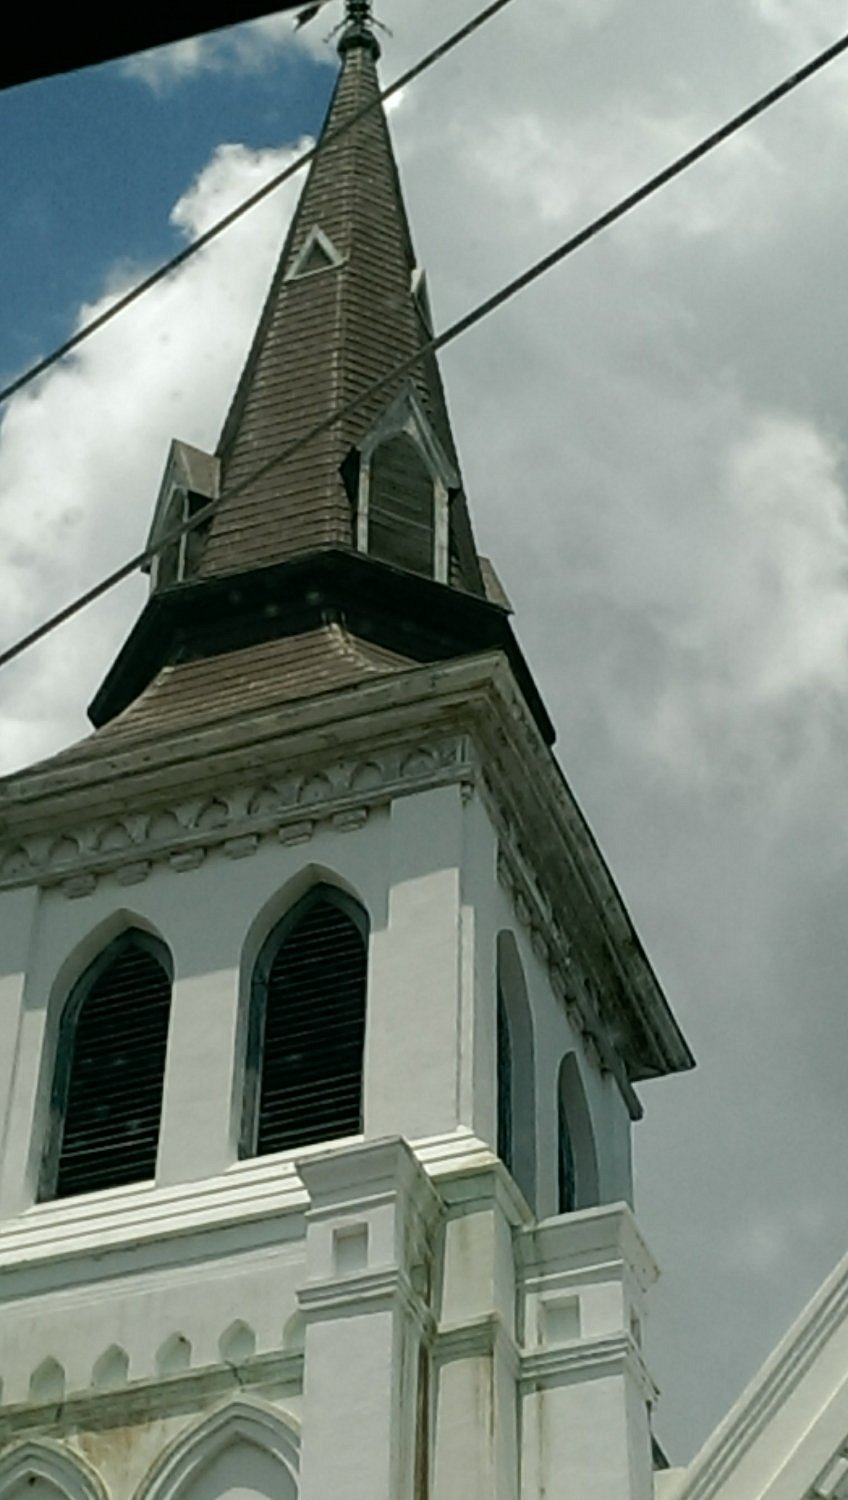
{"x":322,"y":1017}
{"x":366,"y":526}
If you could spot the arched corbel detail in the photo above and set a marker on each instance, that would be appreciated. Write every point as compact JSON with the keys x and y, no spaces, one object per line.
{"x":241,"y":1420}
{"x":67,"y":1473}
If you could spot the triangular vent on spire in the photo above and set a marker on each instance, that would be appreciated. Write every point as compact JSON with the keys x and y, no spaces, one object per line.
{"x":318,"y":253}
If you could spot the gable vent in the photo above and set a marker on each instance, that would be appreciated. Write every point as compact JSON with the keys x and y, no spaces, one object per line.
{"x":310,"y":999}
{"x":318,"y":253}
{"x":109,"y":1075}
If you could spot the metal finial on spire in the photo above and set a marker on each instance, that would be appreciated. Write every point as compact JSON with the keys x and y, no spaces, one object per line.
{"x":357,"y":28}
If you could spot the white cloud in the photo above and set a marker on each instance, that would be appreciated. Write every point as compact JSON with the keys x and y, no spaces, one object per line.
{"x":81,"y":453}
{"x":235,"y":49}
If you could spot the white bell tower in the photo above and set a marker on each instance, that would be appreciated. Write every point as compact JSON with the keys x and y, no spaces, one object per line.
{"x":320,"y":1013}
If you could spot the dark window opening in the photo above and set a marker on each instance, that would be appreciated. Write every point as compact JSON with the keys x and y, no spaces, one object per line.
{"x":567,"y":1184}
{"x":516,"y":1071}
{"x":109,"y":1073}
{"x":306,"y":1031}
{"x":181,"y":558}
{"x":578,"y":1162}
{"x":401,"y":521}
{"x":504,"y":1102}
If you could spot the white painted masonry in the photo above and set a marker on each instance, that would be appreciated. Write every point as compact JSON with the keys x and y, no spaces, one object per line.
{"x":388,"y":1306}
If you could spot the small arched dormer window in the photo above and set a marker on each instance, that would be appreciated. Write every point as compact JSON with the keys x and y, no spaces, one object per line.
{"x":106,"y":1100}
{"x":306,"y":1029}
{"x":403,"y":489}
{"x":577,"y":1157}
{"x":401,"y":507}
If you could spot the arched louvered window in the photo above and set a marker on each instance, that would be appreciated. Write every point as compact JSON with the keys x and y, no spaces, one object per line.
{"x":307,"y":1026}
{"x":110,"y":1066}
{"x":401,"y":507}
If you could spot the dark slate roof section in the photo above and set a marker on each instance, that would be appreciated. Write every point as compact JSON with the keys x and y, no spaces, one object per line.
{"x":323,"y":338}
{"x":190,"y":695}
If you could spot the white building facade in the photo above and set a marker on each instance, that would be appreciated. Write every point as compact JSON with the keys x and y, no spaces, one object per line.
{"x":320,"y":1014}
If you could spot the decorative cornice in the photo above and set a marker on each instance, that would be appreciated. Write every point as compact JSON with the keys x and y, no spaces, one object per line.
{"x":585,"y":1359}
{"x":590,"y":1015}
{"x":42,"y":1241}
{"x":368,"y":1291}
{"x":482,"y":1337}
{"x":149,"y":1399}
{"x":764,"y":1399}
{"x":589,"y":1239}
{"x":287,"y":806}
{"x":474,"y":703}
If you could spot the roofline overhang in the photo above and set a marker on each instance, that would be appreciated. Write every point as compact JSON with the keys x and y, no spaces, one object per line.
{"x":390,"y":607}
{"x":555,"y":854}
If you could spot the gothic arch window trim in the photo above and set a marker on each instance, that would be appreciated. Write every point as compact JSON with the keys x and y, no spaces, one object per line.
{"x":577,"y":1158}
{"x":73,"y":1102}
{"x":47,"y":1461}
{"x":405,"y":418}
{"x":272,"y":1431}
{"x":515,"y":1085}
{"x":316,"y":254}
{"x":293,"y":1099}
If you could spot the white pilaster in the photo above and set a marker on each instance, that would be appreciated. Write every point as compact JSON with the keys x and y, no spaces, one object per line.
{"x":369,"y":1257}
{"x":585,"y":1391}
{"x":476,"y":1441}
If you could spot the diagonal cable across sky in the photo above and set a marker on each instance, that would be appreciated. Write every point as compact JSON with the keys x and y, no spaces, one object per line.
{"x":462,"y":325}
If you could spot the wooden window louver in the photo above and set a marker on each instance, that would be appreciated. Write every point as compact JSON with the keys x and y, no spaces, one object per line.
{"x":109,"y":1073}
{"x":401,"y":514}
{"x":307,"y":1026}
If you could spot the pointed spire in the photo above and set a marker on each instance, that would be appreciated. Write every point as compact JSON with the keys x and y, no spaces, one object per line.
{"x":355,"y":555}
{"x":345,"y":306}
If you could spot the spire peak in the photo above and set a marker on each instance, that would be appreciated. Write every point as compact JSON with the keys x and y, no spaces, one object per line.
{"x":358,"y":28}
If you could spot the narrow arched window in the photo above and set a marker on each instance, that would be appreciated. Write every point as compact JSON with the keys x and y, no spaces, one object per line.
{"x":566,"y":1165}
{"x":401,"y":507}
{"x":106,"y":1099}
{"x":505,"y":1088}
{"x":578,"y":1162}
{"x":306,"y":1030}
{"x":516,"y":1070}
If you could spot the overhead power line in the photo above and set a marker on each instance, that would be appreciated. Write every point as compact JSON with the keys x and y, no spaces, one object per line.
{"x":127,"y":298}
{"x":462,"y":325}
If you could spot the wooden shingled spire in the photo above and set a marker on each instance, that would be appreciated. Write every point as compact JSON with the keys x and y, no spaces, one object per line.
{"x":354,"y":556}
{"x":344,"y":308}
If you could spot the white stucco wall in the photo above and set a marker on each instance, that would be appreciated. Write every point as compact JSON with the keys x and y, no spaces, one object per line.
{"x":425,"y":869}
{"x":150,"y":1281}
